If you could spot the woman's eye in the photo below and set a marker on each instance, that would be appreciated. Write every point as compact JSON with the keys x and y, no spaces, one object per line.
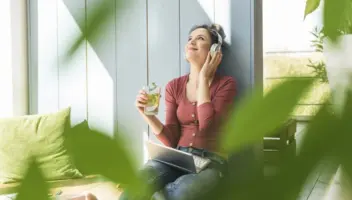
{"x":201,"y":38}
{"x":189,"y":39}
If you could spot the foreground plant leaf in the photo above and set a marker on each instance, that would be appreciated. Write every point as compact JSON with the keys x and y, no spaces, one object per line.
{"x":33,"y":186}
{"x":311,"y":6}
{"x":334,"y":17}
{"x":257,"y":116}
{"x":320,"y":141}
{"x":344,"y":149}
{"x":96,"y":153}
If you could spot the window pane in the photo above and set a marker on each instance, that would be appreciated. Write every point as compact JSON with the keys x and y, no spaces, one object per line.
{"x":288,"y":50}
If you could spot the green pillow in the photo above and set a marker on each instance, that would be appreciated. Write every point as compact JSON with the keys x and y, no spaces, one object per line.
{"x":39,"y":136}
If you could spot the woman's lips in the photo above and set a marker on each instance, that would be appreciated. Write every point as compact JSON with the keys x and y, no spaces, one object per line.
{"x":192,"y":49}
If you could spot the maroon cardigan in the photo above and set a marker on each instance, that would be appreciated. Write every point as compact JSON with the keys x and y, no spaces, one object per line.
{"x":188,"y":124}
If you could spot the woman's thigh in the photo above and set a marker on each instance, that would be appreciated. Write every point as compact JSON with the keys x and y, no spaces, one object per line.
{"x":159,"y":174}
{"x":155,"y":175}
{"x":192,"y":186}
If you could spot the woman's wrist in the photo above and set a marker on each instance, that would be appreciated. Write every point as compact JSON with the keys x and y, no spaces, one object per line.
{"x":203,"y":80}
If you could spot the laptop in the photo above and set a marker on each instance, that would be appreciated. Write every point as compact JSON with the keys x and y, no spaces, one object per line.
{"x":176,"y":158}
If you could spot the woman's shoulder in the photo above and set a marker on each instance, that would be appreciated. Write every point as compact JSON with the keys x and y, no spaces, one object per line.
{"x":226,"y":80}
{"x":176,"y":83}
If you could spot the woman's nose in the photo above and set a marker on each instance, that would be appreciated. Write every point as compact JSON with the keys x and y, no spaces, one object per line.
{"x":192,"y":41}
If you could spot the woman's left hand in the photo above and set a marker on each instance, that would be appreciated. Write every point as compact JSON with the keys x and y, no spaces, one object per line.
{"x":210,"y":66}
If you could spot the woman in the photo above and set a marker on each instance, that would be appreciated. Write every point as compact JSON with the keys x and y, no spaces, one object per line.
{"x":193,"y":102}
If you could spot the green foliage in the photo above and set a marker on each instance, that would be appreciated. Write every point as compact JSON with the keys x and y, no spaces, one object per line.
{"x":91,"y":151}
{"x":311,"y":6}
{"x":327,"y":135}
{"x":267,"y":112}
{"x":319,"y":67}
{"x":337,"y":16}
{"x":255,"y":117}
{"x":33,"y":186}
{"x":318,"y":41}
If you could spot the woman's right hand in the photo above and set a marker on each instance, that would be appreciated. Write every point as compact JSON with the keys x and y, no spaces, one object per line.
{"x":141,"y":101}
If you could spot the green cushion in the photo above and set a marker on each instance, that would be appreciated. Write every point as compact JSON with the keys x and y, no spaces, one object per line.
{"x":39,"y":136}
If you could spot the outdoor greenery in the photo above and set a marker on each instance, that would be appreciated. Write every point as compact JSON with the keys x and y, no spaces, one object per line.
{"x":327,"y":135}
{"x":318,"y":67}
{"x":337,"y":16}
{"x":280,"y":67}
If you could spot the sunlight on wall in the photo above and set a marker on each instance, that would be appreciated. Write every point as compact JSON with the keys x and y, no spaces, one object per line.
{"x":208,"y":7}
{"x":72,"y":74}
{"x":223,"y":17}
{"x":5,"y":60}
{"x":100,"y":94}
{"x":45,"y":60}
{"x":84,"y":82}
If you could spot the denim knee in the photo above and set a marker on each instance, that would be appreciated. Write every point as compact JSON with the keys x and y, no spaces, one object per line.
{"x":155,"y":175}
{"x":192,"y":186}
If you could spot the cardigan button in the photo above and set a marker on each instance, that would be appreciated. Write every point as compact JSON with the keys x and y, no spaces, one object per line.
{"x":194,"y":103}
{"x":193,"y":115}
{"x":191,"y":144}
{"x":194,"y":134}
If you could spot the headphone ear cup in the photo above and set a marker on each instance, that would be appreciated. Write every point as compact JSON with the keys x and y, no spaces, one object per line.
{"x":213,"y":48}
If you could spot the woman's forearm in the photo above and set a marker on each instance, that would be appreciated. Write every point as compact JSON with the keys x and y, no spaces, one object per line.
{"x":203,"y":93}
{"x":154,"y":123}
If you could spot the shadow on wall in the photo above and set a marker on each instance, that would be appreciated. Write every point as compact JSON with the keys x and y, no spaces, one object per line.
{"x":236,"y":61}
{"x":116,"y":68}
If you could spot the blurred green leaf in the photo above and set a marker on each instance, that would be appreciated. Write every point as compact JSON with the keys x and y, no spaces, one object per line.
{"x":345,"y":137}
{"x":319,"y":141}
{"x":334,"y":17}
{"x":96,"y":153}
{"x":257,"y":116}
{"x":311,"y":6}
{"x":33,"y":186}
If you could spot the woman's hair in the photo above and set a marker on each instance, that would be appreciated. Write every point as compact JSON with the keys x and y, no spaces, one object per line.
{"x":212,"y":29}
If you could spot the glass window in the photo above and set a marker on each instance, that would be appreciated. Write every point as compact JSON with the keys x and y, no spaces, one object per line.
{"x":289,"y":51}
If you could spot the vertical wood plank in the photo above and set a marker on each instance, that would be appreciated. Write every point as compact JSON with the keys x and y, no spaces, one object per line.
{"x":193,"y":12}
{"x":163,"y":46}
{"x":131,"y":58}
{"x":44,"y":95}
{"x":101,"y":66}
{"x":243,"y":59}
{"x":72,"y":73}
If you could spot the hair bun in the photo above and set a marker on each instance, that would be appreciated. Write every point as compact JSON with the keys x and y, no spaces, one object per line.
{"x":218,"y":28}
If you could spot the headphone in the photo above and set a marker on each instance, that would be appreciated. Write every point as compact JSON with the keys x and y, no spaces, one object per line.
{"x":216,"y":46}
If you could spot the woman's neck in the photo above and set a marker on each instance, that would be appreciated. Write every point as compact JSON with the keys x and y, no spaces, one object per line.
{"x":194,"y":74}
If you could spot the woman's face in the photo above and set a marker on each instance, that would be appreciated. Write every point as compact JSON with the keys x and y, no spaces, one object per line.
{"x":198,"y":46}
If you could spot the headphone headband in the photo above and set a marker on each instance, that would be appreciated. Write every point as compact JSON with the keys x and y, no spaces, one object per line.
{"x":219,"y":36}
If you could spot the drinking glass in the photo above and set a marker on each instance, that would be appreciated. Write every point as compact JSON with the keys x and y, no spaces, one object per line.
{"x":153,"y":93}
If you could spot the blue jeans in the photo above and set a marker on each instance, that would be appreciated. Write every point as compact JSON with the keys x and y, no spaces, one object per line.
{"x":175,"y":184}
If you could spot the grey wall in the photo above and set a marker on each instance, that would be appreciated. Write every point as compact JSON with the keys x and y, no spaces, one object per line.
{"x":143,"y":43}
